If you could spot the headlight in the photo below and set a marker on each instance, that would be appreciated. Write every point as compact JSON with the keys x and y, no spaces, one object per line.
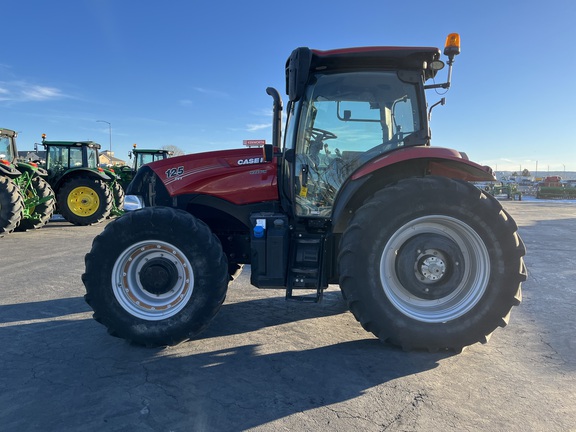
{"x":133,"y":202}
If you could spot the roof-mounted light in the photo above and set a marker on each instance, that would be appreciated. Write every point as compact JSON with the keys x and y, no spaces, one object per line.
{"x":451,"y":49}
{"x":452,"y":46}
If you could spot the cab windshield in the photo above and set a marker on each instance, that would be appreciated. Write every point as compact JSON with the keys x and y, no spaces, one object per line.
{"x":146,"y":158}
{"x":347,"y":119}
{"x":6,"y":148}
{"x":92,"y":156}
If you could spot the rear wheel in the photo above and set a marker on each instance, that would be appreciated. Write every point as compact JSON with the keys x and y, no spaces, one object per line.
{"x":432,"y":263}
{"x":40,"y":214}
{"x":156,"y":276}
{"x":11,"y":206}
{"x":85,"y":200}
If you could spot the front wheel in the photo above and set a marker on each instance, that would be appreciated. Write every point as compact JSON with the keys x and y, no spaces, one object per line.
{"x":11,"y":206}
{"x":156,"y":276}
{"x":432,"y":263}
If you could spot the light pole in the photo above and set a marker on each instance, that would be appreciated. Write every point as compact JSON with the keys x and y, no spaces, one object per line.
{"x":110,"y":131}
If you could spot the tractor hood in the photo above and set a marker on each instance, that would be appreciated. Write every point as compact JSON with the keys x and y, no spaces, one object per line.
{"x":240,"y":176}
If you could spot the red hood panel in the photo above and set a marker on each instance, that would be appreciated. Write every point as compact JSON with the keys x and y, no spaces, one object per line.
{"x":239,"y":176}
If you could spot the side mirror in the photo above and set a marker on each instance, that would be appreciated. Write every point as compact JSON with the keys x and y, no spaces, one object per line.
{"x":297,"y":72}
{"x":268,"y":152}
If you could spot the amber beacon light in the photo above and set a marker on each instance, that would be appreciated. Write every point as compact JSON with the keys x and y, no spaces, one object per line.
{"x":452,"y":46}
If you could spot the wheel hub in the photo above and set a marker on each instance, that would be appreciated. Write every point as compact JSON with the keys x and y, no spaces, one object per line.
{"x":429,"y":266}
{"x":158,"y":276}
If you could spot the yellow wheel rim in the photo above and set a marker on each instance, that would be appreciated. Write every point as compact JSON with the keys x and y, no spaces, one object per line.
{"x":83,"y":201}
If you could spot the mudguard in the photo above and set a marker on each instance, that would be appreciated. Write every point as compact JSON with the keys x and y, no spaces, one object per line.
{"x":415,"y":161}
{"x":75,"y":171}
{"x":8,"y":169}
{"x":32,"y":168}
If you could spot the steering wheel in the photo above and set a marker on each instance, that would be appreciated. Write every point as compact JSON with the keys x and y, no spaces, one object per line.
{"x":321,"y":134}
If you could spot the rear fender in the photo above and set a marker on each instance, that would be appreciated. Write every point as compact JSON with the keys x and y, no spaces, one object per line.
{"x":32,"y":168}
{"x":9,"y":170}
{"x":81,"y":171}
{"x":439,"y":161}
{"x":388,"y":169}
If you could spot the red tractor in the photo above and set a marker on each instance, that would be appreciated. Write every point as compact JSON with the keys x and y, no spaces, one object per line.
{"x":352,"y":194}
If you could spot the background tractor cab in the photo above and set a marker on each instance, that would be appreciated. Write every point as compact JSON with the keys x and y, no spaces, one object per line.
{"x":145,"y":156}
{"x":141,"y":157}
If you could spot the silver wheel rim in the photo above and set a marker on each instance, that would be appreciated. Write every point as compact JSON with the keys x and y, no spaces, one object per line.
{"x":463,"y":297}
{"x":133,"y":295}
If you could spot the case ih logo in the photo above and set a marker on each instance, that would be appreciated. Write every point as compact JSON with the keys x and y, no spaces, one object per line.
{"x":250,"y":161}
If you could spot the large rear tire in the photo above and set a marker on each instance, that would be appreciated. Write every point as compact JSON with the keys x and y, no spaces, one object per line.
{"x":432,"y":263}
{"x":85,"y":200}
{"x":156,"y":276}
{"x":41,"y":213}
{"x":11,"y":206}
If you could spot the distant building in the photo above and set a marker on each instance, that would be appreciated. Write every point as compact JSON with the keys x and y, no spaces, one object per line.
{"x":106,"y":158}
{"x":32,"y":156}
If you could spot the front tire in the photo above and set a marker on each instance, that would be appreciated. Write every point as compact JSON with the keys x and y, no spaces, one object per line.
{"x":11,"y":206}
{"x":156,"y":276}
{"x":432,"y":263}
{"x":85,"y":200}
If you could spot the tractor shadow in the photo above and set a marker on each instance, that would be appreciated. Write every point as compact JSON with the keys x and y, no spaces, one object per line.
{"x":68,"y":371}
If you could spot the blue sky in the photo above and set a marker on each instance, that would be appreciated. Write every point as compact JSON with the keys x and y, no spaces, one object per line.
{"x":193,"y":73}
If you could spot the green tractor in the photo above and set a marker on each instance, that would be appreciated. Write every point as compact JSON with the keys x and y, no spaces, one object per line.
{"x":86,"y":194}
{"x":141,"y":157}
{"x":26,"y":198}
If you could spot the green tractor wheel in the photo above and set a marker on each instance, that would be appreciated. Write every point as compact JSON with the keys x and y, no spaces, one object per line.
{"x":85,"y":200}
{"x":11,"y":206}
{"x":119,"y":195}
{"x":42,"y":199}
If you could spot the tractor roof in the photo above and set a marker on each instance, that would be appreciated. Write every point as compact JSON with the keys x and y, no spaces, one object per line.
{"x":7,"y":132}
{"x":158,"y":151}
{"x":376,"y":57}
{"x":72,"y":144}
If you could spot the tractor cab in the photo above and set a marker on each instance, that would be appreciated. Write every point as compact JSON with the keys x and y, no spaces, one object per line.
{"x":62,"y":156}
{"x":349,"y":107}
{"x":141,"y":157}
{"x":146,"y":156}
{"x":8,"y":152}
{"x":345,"y":120}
